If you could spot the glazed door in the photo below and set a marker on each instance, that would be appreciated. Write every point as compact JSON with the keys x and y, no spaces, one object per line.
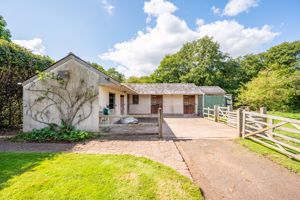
{"x":156,"y":102}
{"x":122,"y":104}
{"x":189,"y":104}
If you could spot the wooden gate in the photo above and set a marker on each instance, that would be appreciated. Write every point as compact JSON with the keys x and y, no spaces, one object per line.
{"x":278,"y":133}
{"x":189,"y":104}
{"x":156,"y":103}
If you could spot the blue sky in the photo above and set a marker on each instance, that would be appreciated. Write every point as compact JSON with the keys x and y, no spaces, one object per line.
{"x":133,"y":35}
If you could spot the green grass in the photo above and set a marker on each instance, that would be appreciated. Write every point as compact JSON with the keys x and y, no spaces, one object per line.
{"x":46,"y":176}
{"x":275,"y":156}
{"x":285,"y":114}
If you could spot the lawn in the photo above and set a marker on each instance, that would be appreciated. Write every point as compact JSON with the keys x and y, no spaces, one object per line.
{"x":275,"y":156}
{"x":81,"y":176}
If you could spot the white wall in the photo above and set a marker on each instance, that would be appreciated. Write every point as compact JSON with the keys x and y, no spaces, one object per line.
{"x":104,"y":99}
{"x":77,"y":72}
{"x":173,"y":104}
{"x":144,"y":106}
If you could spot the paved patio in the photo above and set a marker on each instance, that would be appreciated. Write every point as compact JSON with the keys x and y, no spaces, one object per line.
{"x":163,"y":151}
{"x":197,"y":128}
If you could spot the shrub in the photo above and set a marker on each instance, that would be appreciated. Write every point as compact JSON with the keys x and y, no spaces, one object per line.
{"x":53,"y":133}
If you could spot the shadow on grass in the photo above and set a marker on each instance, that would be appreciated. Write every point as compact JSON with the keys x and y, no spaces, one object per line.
{"x":14,"y":164}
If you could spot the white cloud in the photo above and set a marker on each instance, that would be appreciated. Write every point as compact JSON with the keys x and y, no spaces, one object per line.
{"x":159,"y":7}
{"x":235,"y":38}
{"x":216,"y":11}
{"x":199,"y":22}
{"x":235,"y":7}
{"x":141,"y":54}
{"x":35,"y":45}
{"x":108,"y":7}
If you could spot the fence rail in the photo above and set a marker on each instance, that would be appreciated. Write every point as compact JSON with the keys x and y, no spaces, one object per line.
{"x":278,"y":133}
{"x":222,"y":114}
{"x":145,"y":123}
{"x":209,"y":113}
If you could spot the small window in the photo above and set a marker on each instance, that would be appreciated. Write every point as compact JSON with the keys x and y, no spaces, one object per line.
{"x":135,"y":99}
{"x":112,"y":100}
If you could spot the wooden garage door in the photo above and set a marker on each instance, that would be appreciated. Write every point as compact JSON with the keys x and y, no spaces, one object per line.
{"x":189,"y":104}
{"x":156,"y":102}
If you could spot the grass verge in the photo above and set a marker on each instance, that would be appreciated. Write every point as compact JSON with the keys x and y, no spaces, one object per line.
{"x":275,"y":156}
{"x":48,"y":176}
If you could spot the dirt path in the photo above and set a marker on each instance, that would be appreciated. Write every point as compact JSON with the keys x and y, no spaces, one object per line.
{"x":226,"y":170}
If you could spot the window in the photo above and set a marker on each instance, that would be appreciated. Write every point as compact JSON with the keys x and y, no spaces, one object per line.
{"x":112,"y":98}
{"x":135,"y":99}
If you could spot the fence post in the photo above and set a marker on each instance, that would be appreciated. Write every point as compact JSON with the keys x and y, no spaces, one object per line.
{"x":263,"y":110}
{"x":243,"y":124}
{"x":160,"y":122}
{"x":216,"y":110}
{"x":239,"y":123}
{"x":229,"y":108}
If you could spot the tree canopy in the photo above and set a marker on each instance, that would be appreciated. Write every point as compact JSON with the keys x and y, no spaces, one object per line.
{"x":4,"y":32}
{"x":200,"y":62}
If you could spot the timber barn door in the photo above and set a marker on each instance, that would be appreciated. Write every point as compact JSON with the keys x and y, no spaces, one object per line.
{"x":156,"y":102}
{"x":189,"y":104}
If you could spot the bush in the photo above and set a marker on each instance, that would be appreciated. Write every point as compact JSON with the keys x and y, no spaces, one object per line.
{"x":53,"y":133}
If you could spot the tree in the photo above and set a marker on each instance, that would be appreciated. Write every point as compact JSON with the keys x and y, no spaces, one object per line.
{"x":4,"y":32}
{"x":97,"y":66}
{"x":170,"y":70}
{"x":272,"y":89}
{"x":283,"y":56}
{"x":115,"y":74}
{"x":62,"y":95}
{"x":251,"y":65}
{"x":142,"y":79}
{"x":200,"y":62}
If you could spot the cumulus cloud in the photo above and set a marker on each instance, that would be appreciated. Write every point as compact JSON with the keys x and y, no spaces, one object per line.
{"x":159,"y":7}
{"x":235,"y":7}
{"x":141,"y":54}
{"x":235,"y":38}
{"x":35,"y":45}
{"x":108,"y":7}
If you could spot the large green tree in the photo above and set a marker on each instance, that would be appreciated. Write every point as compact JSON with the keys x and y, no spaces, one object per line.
{"x":272,"y":78}
{"x":272,"y":89}
{"x":4,"y":32}
{"x":200,"y":62}
{"x":142,"y":79}
{"x":115,"y":74}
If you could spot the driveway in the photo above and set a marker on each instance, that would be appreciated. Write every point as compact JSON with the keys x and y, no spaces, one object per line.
{"x":197,"y":128}
{"x":225,"y":170}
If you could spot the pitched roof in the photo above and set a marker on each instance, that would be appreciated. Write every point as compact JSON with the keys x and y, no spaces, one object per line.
{"x":164,"y":88}
{"x":74,"y":57}
{"x":214,"y":90}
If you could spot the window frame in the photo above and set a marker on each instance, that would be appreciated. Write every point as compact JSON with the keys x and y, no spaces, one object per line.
{"x":111,"y":105}
{"x":135,"y":99}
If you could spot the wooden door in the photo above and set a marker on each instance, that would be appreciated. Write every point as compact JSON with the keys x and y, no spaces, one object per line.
{"x":156,"y":102}
{"x":189,"y":104}
{"x":122,"y":104}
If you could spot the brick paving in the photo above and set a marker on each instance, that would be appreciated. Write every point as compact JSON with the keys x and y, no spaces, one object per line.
{"x":163,"y":151}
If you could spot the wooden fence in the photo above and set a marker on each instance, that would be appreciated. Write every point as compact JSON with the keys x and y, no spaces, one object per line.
{"x":209,"y":113}
{"x":222,"y":114}
{"x":278,"y":133}
{"x":145,"y":125}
